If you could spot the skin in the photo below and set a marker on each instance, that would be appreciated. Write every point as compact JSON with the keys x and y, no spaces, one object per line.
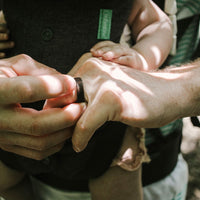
{"x":147,"y":100}
{"x":25,"y":131}
{"x":149,"y":27}
{"x":14,"y":185}
{"x":148,"y":24}
{"x":114,"y":179}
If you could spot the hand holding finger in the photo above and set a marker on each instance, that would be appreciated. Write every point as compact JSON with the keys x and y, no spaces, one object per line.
{"x":77,"y":96}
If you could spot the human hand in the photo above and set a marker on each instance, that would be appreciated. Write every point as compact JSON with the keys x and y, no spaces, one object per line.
{"x":4,"y":36}
{"x":118,"y":93}
{"x":118,"y":53}
{"x":25,"y":131}
{"x":67,"y":99}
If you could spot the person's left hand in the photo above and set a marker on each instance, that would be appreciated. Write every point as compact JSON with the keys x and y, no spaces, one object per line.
{"x":117,"y":93}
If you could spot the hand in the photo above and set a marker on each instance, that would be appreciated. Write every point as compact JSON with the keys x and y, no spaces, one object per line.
{"x":25,"y":131}
{"x":118,"y":93}
{"x":119,"y":53}
{"x":67,"y":99}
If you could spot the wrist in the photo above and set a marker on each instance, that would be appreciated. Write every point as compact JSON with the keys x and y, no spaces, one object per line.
{"x":187,"y":86}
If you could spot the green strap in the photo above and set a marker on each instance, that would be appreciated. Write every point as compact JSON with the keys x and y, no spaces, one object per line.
{"x":105,"y":20}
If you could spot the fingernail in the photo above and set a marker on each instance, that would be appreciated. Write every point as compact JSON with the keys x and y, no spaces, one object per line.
{"x":76,"y":149}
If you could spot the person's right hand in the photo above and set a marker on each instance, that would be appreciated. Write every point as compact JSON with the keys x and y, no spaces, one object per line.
{"x":117,"y":93}
{"x":25,"y":131}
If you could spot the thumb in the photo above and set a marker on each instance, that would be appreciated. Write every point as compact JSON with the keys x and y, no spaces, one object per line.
{"x":93,"y":117}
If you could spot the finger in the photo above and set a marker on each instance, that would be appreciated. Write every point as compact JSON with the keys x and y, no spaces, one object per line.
{"x":39,"y":143}
{"x":25,"y":65}
{"x":101,"y":51}
{"x":101,"y":44}
{"x":109,"y":55}
{"x":116,"y":52}
{"x":37,"y":123}
{"x":125,"y":60}
{"x":60,"y":101}
{"x":3,"y":36}
{"x":111,"y":52}
{"x":6,"y":45}
{"x":3,"y":28}
{"x":24,"y":89}
{"x":33,"y":154}
{"x":2,"y":55}
{"x":90,"y":121}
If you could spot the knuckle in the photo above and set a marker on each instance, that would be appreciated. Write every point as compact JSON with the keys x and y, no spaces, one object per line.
{"x":88,"y":65}
{"x":110,"y":95}
{"x":83,"y":128}
{"x":89,"y":62}
{"x":24,"y":57}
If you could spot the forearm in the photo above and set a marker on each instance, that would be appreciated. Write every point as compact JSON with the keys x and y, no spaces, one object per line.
{"x":152,"y":32}
{"x":187,"y":88}
{"x":153,"y":45}
{"x":117,"y":183}
{"x":13,"y":184}
{"x":9,"y":177}
{"x":21,"y":191}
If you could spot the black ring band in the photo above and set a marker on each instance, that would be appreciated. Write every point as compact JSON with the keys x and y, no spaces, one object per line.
{"x":80,"y":90}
